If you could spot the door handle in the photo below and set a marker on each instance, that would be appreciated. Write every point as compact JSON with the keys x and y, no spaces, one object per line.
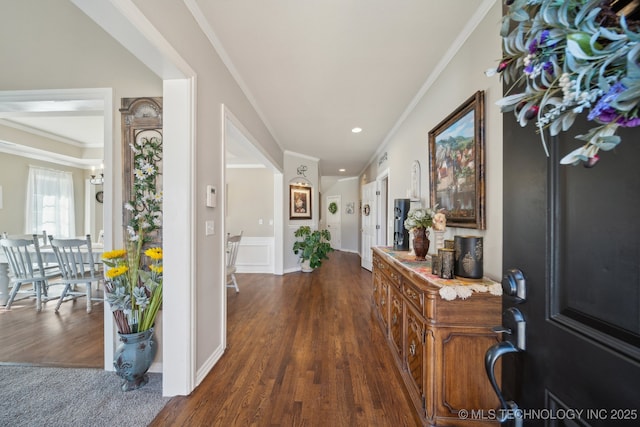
{"x":513,"y":329}
{"x":492,"y":355}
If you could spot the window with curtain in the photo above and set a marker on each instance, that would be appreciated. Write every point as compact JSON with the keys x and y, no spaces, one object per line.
{"x":50,"y":202}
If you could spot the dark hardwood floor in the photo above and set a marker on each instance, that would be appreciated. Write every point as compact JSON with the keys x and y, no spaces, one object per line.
{"x":72,"y":338}
{"x":302,"y":350}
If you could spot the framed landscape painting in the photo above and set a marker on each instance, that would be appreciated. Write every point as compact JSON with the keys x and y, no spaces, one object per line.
{"x":299,"y":202}
{"x":456,"y":165}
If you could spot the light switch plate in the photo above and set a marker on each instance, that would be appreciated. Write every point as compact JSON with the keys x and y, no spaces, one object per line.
{"x":209,"y":228}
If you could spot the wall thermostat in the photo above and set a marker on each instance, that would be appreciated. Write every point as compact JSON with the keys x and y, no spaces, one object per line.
{"x":211,"y":196}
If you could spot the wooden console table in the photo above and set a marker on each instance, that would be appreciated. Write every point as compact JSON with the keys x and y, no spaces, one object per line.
{"x":438,"y":343}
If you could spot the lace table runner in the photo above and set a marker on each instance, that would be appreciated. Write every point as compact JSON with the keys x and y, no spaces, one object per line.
{"x":450,"y":289}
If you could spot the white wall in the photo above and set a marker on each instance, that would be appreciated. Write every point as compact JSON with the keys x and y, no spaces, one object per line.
{"x":460,"y":79}
{"x":348,"y":189}
{"x":215,"y":87}
{"x":256,"y":255}
{"x":250,"y":201}
{"x":292,"y":164}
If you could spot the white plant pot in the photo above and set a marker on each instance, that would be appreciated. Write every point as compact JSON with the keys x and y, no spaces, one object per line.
{"x":306,"y":268}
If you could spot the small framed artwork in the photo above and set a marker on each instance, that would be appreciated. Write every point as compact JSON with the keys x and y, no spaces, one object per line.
{"x":299,"y":202}
{"x":415,"y":181}
{"x":456,"y":165}
{"x":351,"y":207}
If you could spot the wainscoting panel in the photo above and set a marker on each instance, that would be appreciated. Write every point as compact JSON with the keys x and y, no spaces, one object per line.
{"x":255,"y":255}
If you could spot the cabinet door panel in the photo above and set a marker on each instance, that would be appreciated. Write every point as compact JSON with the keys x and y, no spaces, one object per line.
{"x":415,"y":349}
{"x":377,"y":290}
{"x":466,"y":386}
{"x":395,"y":321}
{"x":384,"y":306}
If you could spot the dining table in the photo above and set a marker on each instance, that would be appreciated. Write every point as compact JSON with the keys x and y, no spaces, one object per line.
{"x":48,"y":257}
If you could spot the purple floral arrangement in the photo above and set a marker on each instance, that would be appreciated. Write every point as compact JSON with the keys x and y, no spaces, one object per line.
{"x":565,"y":58}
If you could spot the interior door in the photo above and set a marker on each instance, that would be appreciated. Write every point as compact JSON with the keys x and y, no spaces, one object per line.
{"x":368,"y":216}
{"x":574,"y":233}
{"x":334,"y":223}
{"x":385,"y":229}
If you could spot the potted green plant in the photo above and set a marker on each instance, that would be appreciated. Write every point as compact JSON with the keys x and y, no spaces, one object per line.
{"x":312,"y":247}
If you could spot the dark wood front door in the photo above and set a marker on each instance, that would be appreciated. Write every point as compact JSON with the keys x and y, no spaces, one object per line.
{"x":574,"y":232}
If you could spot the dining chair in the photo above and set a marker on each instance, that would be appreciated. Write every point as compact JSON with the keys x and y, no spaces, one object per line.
{"x":42,"y":240}
{"x":78,"y":267}
{"x":233,"y":244}
{"x":25,"y":261}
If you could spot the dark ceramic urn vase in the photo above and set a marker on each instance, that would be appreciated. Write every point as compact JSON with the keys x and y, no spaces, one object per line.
{"x":133,"y":358}
{"x":421,"y":243}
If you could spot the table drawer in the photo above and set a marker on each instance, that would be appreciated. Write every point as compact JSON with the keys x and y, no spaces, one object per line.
{"x":414,"y":295}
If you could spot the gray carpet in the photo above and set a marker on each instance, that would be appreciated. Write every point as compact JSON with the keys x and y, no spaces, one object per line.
{"x":62,"y":397}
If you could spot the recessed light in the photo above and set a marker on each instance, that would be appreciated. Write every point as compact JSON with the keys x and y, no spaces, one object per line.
{"x":342,"y":170}
{"x":356,"y":130}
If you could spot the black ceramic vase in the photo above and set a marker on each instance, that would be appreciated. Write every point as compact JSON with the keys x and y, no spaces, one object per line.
{"x":468,"y":253}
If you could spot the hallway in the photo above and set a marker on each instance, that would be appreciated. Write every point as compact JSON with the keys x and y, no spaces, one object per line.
{"x":303,"y":349}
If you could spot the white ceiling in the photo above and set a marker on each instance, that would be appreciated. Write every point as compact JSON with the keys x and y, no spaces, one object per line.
{"x":78,"y":123}
{"x":314,"y":70}
{"x":85,"y":130}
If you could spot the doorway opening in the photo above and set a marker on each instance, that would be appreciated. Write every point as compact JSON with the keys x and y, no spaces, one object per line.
{"x":46,"y":128}
{"x":253,"y":200}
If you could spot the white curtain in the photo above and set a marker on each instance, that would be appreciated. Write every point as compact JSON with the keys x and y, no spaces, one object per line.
{"x":50,"y":205}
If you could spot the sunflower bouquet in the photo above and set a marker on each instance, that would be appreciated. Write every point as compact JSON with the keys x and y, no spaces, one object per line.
{"x":134,"y":285}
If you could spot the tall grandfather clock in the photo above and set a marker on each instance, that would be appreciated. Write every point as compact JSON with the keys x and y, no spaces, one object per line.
{"x":141,"y":121}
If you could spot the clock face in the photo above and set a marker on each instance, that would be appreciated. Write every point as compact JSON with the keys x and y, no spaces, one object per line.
{"x":100,"y":196}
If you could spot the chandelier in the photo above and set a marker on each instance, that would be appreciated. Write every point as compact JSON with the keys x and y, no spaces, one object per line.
{"x":97,"y":179}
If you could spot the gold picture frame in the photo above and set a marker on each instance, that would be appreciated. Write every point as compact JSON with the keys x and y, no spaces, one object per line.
{"x":456,"y":165}
{"x":299,"y":202}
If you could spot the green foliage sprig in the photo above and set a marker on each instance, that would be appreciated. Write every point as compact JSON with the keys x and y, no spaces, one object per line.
{"x":565,"y":58}
{"x":146,"y":206}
